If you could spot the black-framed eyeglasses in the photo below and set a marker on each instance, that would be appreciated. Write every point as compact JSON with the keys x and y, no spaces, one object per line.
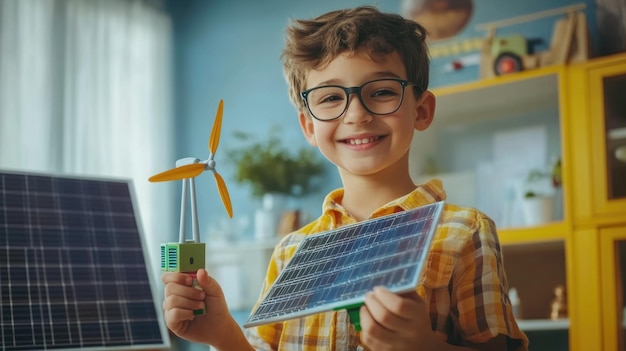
{"x":379,"y":97}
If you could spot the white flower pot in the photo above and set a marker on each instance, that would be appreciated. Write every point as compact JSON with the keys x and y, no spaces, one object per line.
{"x":266,"y":218}
{"x":537,"y":209}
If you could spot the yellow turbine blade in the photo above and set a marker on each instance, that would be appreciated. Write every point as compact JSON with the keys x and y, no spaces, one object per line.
{"x":217,"y":126}
{"x":182,"y":172}
{"x":221,"y":187}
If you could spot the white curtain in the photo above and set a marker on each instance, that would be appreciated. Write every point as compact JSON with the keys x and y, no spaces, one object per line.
{"x":84,"y":90}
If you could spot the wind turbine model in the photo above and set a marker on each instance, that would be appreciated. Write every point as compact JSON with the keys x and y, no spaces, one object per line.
{"x":188,"y":256}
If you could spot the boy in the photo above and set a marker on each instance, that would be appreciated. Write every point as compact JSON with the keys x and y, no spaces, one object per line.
{"x":359,"y":80}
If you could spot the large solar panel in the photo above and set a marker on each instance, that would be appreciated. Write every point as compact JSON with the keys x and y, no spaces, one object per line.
{"x":73,"y":273}
{"x":335,"y":269}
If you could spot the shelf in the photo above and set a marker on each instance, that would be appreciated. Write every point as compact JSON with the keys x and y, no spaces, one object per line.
{"x":535,"y":245}
{"x":535,"y":269}
{"x":490,"y":99}
{"x":498,"y":80}
{"x":554,"y":231}
{"x":543,"y":324}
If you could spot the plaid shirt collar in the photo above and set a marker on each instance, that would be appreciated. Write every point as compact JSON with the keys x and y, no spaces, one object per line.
{"x":423,"y":194}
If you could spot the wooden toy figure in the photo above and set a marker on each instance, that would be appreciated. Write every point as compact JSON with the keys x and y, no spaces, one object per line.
{"x":558,"y":307}
{"x":187,"y":256}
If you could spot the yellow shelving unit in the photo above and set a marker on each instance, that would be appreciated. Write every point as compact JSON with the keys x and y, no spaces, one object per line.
{"x":537,"y":258}
{"x":613,"y":247}
{"x":598,"y":113}
{"x":584,"y":247}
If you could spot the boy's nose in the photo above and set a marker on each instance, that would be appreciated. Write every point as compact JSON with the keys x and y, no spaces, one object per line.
{"x":356,"y":112}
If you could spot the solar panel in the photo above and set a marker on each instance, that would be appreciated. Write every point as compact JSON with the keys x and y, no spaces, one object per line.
{"x":335,"y":269}
{"x":72,"y":267}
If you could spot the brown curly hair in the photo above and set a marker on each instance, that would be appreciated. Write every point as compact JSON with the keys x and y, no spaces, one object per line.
{"x":314,"y":43}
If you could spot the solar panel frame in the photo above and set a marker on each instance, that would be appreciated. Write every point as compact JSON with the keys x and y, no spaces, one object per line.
{"x":74,"y":268}
{"x":309,"y":282}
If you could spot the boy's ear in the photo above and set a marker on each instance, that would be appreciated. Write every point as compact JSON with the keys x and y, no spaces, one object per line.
{"x":306,"y":124}
{"x":425,"y":109}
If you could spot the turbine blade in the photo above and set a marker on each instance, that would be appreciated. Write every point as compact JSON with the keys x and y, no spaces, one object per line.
{"x":217,"y":126}
{"x":182,"y":172}
{"x":221,"y":187}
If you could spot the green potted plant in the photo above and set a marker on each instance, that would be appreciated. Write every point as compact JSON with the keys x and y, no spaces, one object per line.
{"x":269,"y":167}
{"x":538,"y":201}
{"x":274,"y":173}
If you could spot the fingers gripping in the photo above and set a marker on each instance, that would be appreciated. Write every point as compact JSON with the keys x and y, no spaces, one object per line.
{"x":196,"y":285}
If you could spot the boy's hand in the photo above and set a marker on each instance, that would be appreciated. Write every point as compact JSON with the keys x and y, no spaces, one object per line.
{"x":396,"y":322}
{"x":181,"y":299}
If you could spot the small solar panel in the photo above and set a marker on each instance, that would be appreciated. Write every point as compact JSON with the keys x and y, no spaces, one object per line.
{"x":335,"y":269}
{"x":73,"y":273}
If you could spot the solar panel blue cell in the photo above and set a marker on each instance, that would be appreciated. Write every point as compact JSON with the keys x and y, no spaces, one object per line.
{"x":337,"y":268}
{"x":61,"y":333}
{"x":97,"y":205}
{"x":73,"y":272}
{"x":38,"y":183}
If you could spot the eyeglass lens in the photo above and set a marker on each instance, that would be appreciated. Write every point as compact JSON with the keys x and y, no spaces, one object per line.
{"x":380,"y":97}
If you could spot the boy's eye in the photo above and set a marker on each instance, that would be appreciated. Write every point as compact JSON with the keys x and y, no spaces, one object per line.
{"x":383,"y":92}
{"x":330,"y":98}
{"x":382,"y":88}
{"x":327,"y":96}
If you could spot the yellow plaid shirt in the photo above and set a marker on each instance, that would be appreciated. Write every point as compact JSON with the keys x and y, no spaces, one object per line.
{"x":464,"y":281}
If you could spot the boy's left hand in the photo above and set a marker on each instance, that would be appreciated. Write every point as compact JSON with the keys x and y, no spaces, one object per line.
{"x":396,"y":322}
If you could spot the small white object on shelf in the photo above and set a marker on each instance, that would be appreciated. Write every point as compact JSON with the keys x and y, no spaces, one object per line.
{"x":543,"y":324}
{"x":266,"y":218}
{"x":515,"y":303}
{"x":537,"y":209}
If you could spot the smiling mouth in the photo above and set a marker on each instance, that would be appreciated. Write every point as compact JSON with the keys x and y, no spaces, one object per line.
{"x":361,"y":141}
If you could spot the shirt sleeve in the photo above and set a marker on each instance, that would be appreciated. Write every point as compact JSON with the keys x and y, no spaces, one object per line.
{"x":479,"y":289}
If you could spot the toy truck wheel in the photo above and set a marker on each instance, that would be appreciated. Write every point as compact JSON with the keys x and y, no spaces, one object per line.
{"x":507,"y":63}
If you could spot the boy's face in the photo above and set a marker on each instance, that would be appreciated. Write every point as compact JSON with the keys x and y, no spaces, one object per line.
{"x":360,"y":142}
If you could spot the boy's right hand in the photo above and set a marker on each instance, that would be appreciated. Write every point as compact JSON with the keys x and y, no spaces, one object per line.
{"x":181,"y":299}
